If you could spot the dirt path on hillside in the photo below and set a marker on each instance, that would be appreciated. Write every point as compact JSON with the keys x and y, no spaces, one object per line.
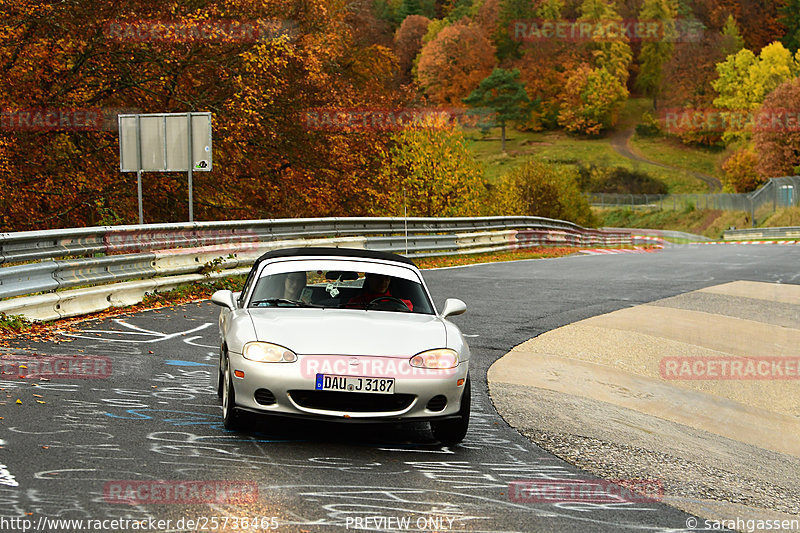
{"x":620,"y":142}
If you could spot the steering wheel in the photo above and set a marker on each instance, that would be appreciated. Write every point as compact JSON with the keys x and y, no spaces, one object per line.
{"x":395,"y":303}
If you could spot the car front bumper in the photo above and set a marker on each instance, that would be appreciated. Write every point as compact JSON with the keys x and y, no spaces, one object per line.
{"x":292,"y":392}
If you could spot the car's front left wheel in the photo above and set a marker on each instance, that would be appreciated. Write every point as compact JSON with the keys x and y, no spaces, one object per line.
{"x":231,"y":418}
{"x":453,"y":430}
{"x":220,"y":374}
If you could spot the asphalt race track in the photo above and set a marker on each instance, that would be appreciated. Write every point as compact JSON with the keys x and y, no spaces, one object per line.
{"x":156,"y":416}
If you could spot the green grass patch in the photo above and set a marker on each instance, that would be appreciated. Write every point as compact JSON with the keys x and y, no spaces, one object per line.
{"x":632,"y":111}
{"x":708,"y":222}
{"x":786,"y":217}
{"x":557,"y":147}
{"x":672,"y":152}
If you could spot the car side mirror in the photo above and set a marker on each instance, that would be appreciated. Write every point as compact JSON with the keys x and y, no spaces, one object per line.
{"x":224,"y":298}
{"x":453,"y":307}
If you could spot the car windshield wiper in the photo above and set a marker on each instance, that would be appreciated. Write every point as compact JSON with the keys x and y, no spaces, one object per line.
{"x":278,"y":301}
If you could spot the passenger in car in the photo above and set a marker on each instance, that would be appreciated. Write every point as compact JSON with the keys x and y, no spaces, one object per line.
{"x":293,"y":285}
{"x":375,"y":286}
{"x":281,"y":286}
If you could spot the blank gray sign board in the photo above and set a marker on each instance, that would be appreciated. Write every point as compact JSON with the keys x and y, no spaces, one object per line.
{"x":163,"y":141}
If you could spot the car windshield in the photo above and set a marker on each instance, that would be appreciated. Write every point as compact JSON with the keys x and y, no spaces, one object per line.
{"x":341,"y":289}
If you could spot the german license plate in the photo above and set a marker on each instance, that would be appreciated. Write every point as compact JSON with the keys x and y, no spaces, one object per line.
{"x":355,"y":384}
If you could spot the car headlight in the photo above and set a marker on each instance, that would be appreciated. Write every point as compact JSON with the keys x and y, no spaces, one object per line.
{"x":265,"y":352}
{"x":436,"y":359}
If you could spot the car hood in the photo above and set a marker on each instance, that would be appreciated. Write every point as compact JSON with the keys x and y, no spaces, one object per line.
{"x":349,"y":332}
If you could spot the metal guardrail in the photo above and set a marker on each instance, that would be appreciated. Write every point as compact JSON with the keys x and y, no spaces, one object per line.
{"x":106,"y":260}
{"x":762,"y":233}
{"x":662,"y":233}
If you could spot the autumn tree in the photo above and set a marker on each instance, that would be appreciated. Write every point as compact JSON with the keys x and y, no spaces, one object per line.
{"x":408,"y":42}
{"x":504,"y":96}
{"x":487,"y":17}
{"x":431,"y":165}
{"x":268,"y":163}
{"x":545,"y":68}
{"x":434,"y":27}
{"x":366,"y":27}
{"x":686,"y":82}
{"x":745,"y":79}
{"x":454,"y":63}
{"x":759,"y":20}
{"x":610,"y":53}
{"x":654,"y":54}
{"x":591,"y":101}
{"x":539,"y":189}
{"x":777,"y":133}
{"x":741,"y":172}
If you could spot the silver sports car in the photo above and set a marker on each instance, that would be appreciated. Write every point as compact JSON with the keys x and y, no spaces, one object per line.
{"x":342,"y":334}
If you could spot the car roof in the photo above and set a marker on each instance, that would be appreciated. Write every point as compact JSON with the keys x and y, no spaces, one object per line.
{"x":333,"y":252}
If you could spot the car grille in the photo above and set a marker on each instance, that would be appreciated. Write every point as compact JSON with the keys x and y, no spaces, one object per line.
{"x":351,"y":401}
{"x":264,"y":397}
{"x":437,"y":403}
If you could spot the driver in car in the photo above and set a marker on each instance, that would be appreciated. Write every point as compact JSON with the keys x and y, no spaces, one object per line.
{"x":376,"y":286}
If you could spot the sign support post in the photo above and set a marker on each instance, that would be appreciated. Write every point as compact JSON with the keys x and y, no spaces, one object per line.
{"x":139,"y":170}
{"x":191,"y":164}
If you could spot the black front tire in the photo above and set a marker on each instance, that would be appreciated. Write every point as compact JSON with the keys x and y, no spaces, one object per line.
{"x":220,"y":375}
{"x":453,"y":430}
{"x":231,"y":418}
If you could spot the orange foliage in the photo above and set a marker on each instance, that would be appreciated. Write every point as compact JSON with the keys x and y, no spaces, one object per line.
{"x":778,"y":144}
{"x":408,"y":42}
{"x":741,"y":173}
{"x":545,"y":68}
{"x":757,"y":19}
{"x":266,"y":162}
{"x":591,"y":101}
{"x":686,"y":82}
{"x":453,"y":64}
